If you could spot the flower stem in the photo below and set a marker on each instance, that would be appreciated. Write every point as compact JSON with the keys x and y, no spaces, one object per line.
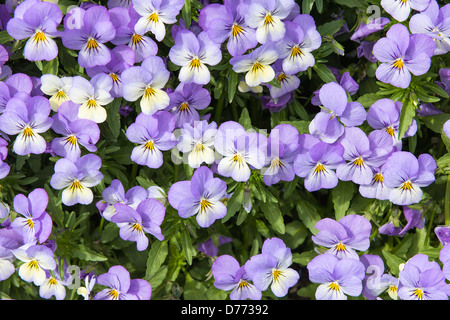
{"x":447,"y":202}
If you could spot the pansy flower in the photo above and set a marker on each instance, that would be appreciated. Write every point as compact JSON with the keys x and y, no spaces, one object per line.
{"x":239,"y":150}
{"x":256,"y":64}
{"x":406,"y":174}
{"x":89,"y":37}
{"x":266,"y":17}
{"x":124,"y":20}
{"x":155,"y":14}
{"x":272,"y":268}
{"x":27,"y":121}
{"x":227,"y":21}
{"x":202,"y":196}
{"x":92,"y":95}
{"x":229,"y":275}
{"x":76,"y":132}
{"x":76,"y":178}
{"x":401,"y":9}
{"x":33,"y":222}
{"x":119,"y":286}
{"x":4,"y":167}
{"x":146,"y":82}
{"x":197,"y":142}
{"x":37,"y":21}
{"x":57,"y":88}
{"x":401,"y":54}
{"x":37,"y":259}
{"x":192,"y":53}
{"x":153,"y":134}
{"x":134,"y":224}
{"x":300,"y":40}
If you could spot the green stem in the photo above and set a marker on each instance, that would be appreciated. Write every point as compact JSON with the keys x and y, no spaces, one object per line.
{"x":430,"y":225}
{"x":219,"y":108}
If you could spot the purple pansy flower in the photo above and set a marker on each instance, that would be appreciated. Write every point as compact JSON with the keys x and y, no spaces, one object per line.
{"x":229,"y":275}
{"x":89,"y":37}
{"x":4,"y":167}
{"x":192,"y":53}
{"x":76,"y":132}
{"x":153,"y":133}
{"x":443,"y":234}
{"x":376,"y":189}
{"x":400,"y":9}
{"x":365,"y":29}
{"x":434,"y":22}
{"x":271,"y":268}
{"x":76,"y":178}
{"x":37,"y":21}
{"x":155,"y":14}
{"x":122,"y":58}
{"x":239,"y":150}
{"x":338,"y":278}
{"x":135,"y":223}
{"x":37,"y":259}
{"x":288,"y":82}
{"x":227,"y":21}
{"x":406,"y":174}
{"x":197,"y":142}
{"x":115,"y":193}
{"x":414,"y":219}
{"x":257,"y":64}
{"x":210,"y":249}
{"x":444,"y":257}
{"x":282,"y":148}
{"x":92,"y":95}
{"x":364,"y":154}
{"x":201,"y":196}
{"x":401,"y":54}
{"x":7,"y":267}
{"x":384,"y":114}
{"x":343,"y":237}
{"x":266,"y":17}
{"x":328,"y":124}
{"x":300,"y":40}
{"x":121,"y":287}
{"x":422,"y":279}
{"x":124,"y":20}
{"x":185,"y":100}
{"x":317,"y":165}
{"x":376,"y":281}
{"x":146,"y":82}
{"x":34,"y":222}
{"x":27,"y":120}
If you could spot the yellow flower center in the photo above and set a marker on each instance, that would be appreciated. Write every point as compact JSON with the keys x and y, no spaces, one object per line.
{"x":407,"y":186}
{"x":33,"y":264}
{"x":52,"y":281}
{"x":268,"y":19}
{"x":135,"y":39}
{"x":199,"y":147}
{"x":28,"y":132}
{"x":236,"y":30}
{"x":390,"y":130}
{"x":149,"y":91}
{"x":114,"y":294}
{"x":257,"y":67}
{"x":92,"y":44}
{"x":30,"y":223}
{"x":149,"y":145}
{"x":358,"y":162}
{"x":195,"y":63}
{"x":238,"y":158}
{"x":205,"y":204}
{"x":378,"y":177}
{"x":398,"y":64}
{"x":243,"y":284}
{"x":281,"y":77}
{"x":296,"y":51}
{"x":136,"y":227}
{"x":319,"y":168}
{"x":334,"y":286}
{"x":276,"y":274}
{"x":418,"y":292}
{"x":91,"y":103}
{"x":153,"y":17}
{"x":184,"y":106}
{"x":114,"y":77}
{"x":76,"y":185}
{"x":61,"y":95}
{"x":72,"y":140}
{"x":340,"y":247}
{"x":39,"y":36}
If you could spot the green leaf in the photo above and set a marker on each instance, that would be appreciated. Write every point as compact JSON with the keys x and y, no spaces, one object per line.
{"x":233,"y":81}
{"x":353,"y":3}
{"x":5,"y":37}
{"x":330,"y":28}
{"x":245,"y":119}
{"x":406,"y":116}
{"x":436,"y":122}
{"x":113,"y":117}
{"x":307,"y":6}
{"x":186,"y":244}
{"x":156,"y":257}
{"x":186,"y":13}
{"x":308,"y":214}
{"x":87,"y":254}
{"x":235,"y":203}
{"x":193,"y":289}
{"x":368,"y":99}
{"x":341,"y":196}
{"x":274,"y":216}
{"x":50,"y":67}
{"x":393,"y":262}
{"x":324,"y":73}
